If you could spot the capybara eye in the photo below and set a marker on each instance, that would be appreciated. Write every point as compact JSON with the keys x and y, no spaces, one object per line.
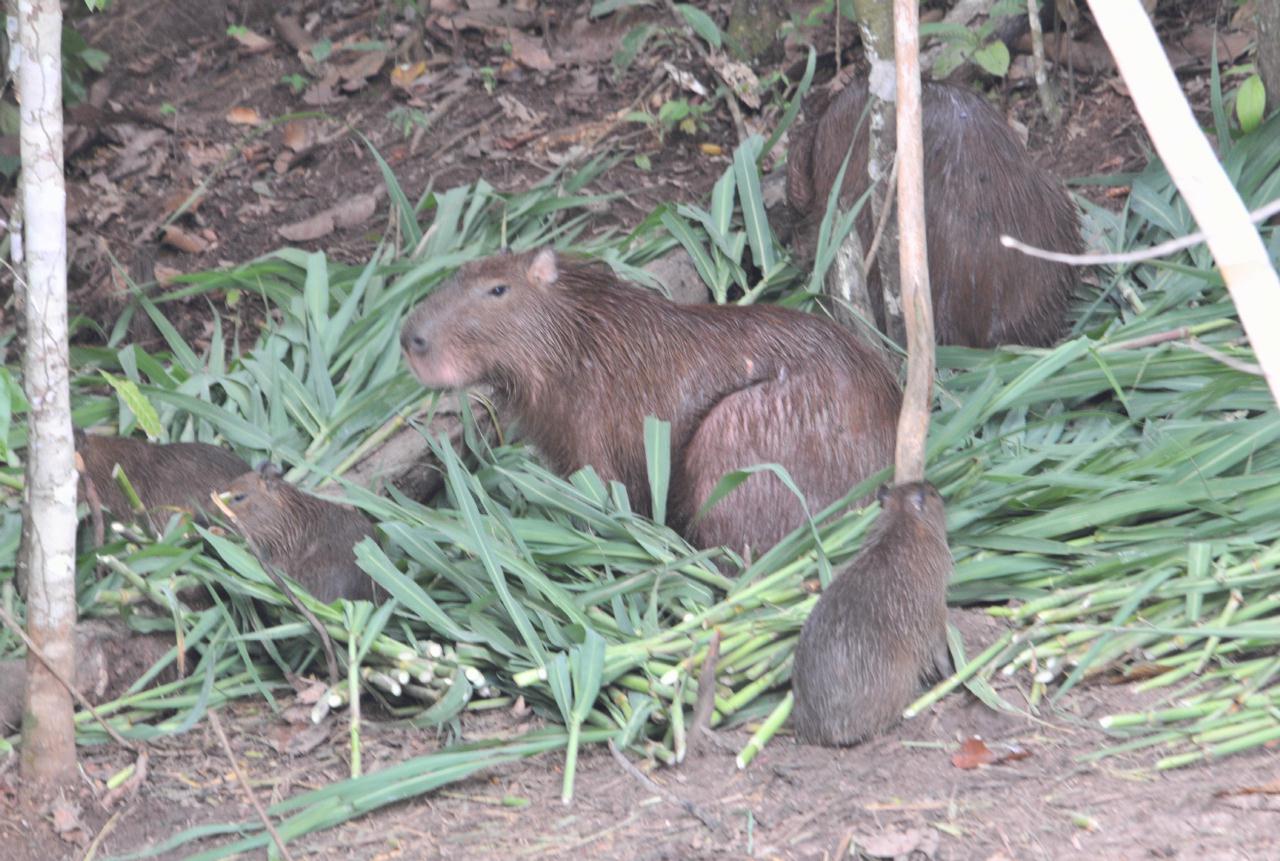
{"x":498,"y":289}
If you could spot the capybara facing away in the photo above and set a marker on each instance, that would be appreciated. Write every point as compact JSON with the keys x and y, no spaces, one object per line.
{"x":173,"y":477}
{"x":979,"y":182}
{"x":579,"y":360}
{"x":309,"y":538}
{"x":880,"y":628}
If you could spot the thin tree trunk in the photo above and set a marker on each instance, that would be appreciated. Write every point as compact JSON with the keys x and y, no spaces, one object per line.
{"x":875,"y":23}
{"x":913,"y":421}
{"x":1267,"y":13}
{"x":48,"y":734}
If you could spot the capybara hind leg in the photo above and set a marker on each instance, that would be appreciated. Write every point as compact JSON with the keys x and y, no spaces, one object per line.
{"x":743,"y":429}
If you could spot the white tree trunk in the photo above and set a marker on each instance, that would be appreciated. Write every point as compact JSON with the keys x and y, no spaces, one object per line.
{"x":48,"y":749}
{"x":1234,"y":241}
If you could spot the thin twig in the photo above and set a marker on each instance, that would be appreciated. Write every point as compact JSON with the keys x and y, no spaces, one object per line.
{"x":689,"y":807}
{"x":91,"y":852}
{"x":1151,"y":340}
{"x":883,"y":223}
{"x":13,"y":626}
{"x":1205,"y":349}
{"x":1260,"y":214}
{"x":244,"y":782}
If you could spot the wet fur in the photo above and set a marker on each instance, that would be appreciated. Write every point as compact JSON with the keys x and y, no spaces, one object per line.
{"x":308,"y":538}
{"x":178,"y":476}
{"x":979,"y":183}
{"x":581,"y":359}
{"x":880,"y":628}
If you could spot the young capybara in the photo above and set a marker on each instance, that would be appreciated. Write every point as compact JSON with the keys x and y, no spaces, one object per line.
{"x":579,"y":360}
{"x":979,"y":182}
{"x":880,"y":628}
{"x":308,"y":538}
{"x":178,"y":476}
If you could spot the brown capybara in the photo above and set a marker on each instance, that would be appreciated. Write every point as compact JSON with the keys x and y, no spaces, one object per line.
{"x":309,"y":538}
{"x":979,"y":182}
{"x":579,"y":360}
{"x":880,"y":628}
{"x":178,"y":476}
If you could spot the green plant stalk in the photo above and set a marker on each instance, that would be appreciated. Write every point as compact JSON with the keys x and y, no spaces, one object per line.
{"x":570,"y":761}
{"x":766,"y":731}
{"x":1224,"y":619}
{"x":680,"y":741}
{"x":968,"y":671}
{"x":1247,"y":742}
{"x":748,"y":693}
{"x":353,"y":695}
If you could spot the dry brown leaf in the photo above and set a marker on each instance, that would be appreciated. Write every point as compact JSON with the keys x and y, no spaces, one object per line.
{"x":517,"y":111}
{"x":405,"y":75}
{"x":137,"y":151}
{"x":1200,"y":40}
{"x":323,"y":91}
{"x":896,"y":844}
{"x":739,"y":78}
{"x":357,"y":73}
{"x":251,"y":42}
{"x":973,"y":753}
{"x":165,"y":275}
{"x":176,"y":237}
{"x":203,"y":154}
{"x":242,"y":116}
{"x":354,"y":210}
{"x":307,"y":230}
{"x":179,"y":196}
{"x":297,"y":739}
{"x":65,"y":817}
{"x":529,"y":52}
{"x":298,"y":134}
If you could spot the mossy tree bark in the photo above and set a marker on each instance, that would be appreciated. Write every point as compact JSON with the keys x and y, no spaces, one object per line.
{"x":753,"y":31}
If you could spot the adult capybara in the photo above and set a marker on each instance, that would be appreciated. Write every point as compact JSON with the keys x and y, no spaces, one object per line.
{"x":308,"y":538}
{"x":880,"y":628}
{"x":579,"y":360}
{"x":979,"y":182}
{"x":178,"y":476}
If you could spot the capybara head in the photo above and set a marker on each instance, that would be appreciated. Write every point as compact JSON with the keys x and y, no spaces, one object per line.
{"x":918,"y":502}
{"x":255,"y":498}
{"x":473,"y":327}
{"x":309,"y":537}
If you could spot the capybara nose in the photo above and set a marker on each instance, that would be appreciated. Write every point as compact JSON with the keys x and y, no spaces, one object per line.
{"x":414,"y":343}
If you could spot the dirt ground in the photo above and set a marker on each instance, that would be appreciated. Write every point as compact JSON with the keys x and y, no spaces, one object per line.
{"x":902,"y":795}
{"x":509,"y":93}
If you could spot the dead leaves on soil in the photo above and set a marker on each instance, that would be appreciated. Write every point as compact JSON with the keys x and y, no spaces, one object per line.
{"x":351,"y":212}
{"x":974,"y":753}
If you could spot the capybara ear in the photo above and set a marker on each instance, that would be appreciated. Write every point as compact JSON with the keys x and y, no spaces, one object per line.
{"x":882,"y":494}
{"x":919,"y":496}
{"x":267,"y":469}
{"x":544,"y":270}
